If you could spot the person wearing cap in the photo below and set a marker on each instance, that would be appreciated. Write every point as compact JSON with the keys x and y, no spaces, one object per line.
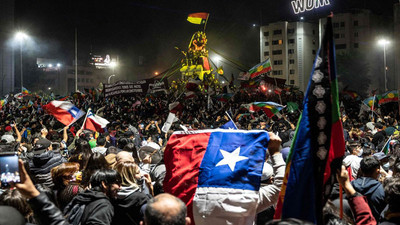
{"x":368,"y":185}
{"x":43,"y":160}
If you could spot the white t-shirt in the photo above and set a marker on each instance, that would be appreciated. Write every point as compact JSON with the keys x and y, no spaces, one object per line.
{"x":354,"y":162}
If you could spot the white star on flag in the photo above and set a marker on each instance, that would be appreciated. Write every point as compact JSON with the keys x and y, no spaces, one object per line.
{"x":231,"y":159}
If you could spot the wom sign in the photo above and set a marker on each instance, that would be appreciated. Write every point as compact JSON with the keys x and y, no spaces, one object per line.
{"x":300,"y":6}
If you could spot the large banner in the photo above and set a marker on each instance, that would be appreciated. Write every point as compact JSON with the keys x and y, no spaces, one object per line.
{"x":139,"y":87}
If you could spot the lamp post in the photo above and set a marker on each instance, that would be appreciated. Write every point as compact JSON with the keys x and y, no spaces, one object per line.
{"x":112,"y":75}
{"x":384,"y":42}
{"x":112,"y":65}
{"x":217,"y":59}
{"x":21,"y":36}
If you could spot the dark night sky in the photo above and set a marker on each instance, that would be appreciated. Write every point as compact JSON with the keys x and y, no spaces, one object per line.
{"x":152,"y":29}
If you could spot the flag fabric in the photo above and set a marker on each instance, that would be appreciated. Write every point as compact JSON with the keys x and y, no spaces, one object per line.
{"x":278,"y":91}
{"x":261,"y":68}
{"x":168,"y":123}
{"x":371,"y":102}
{"x":292,"y":106}
{"x":63,"y":111}
{"x":175,"y":107}
{"x":244,"y":76}
{"x":94,"y":122}
{"x":270,"y":108}
{"x":3,"y":103}
{"x":189,"y":94}
{"x":318,"y":145}
{"x":198,"y":18}
{"x":224,"y":97}
{"x":352,"y":94}
{"x":216,"y":173}
{"x":19,"y":96}
{"x":390,"y":96}
{"x":387,"y":146}
{"x":229,"y":125}
{"x":25,"y":91}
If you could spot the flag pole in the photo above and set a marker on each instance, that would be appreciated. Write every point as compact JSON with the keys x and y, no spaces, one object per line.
{"x":231,"y":119}
{"x":85,"y":118}
{"x":373,"y":106}
{"x":341,"y":200}
{"x":386,"y":143}
{"x":205,"y":24}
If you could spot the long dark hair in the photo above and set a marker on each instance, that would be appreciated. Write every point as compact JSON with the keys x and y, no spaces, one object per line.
{"x":96,"y":162}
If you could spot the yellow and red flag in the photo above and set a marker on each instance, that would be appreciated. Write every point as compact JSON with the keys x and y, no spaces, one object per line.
{"x":198,"y":18}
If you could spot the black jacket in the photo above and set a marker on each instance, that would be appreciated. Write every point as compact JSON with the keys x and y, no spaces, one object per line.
{"x":98,"y":210}
{"x":130,"y":210}
{"x":46,"y":212}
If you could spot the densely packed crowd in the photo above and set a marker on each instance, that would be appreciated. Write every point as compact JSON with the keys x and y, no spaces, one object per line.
{"x":74,"y":176}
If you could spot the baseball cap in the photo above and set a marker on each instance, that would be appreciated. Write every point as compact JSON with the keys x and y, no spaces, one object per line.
{"x":41,"y":146}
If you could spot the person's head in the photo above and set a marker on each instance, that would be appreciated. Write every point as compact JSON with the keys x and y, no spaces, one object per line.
{"x":97,"y":161}
{"x":82,"y":146}
{"x":42,"y":145}
{"x":106,"y":181}
{"x":165,"y":209}
{"x":129,"y":172}
{"x":130,"y":147}
{"x":101,"y":141}
{"x":370,"y":167}
{"x":366,"y":152}
{"x":62,"y":174}
{"x":12,"y":197}
{"x":392,"y":194}
{"x":124,"y":156}
{"x":354,"y":147}
{"x":65,"y":195}
{"x":112,"y":150}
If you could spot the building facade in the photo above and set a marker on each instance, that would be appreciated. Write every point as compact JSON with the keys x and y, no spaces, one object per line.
{"x":291,"y":47}
{"x":7,"y":80}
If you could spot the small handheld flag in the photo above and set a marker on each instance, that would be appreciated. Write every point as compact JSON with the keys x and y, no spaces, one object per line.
{"x":198,"y":18}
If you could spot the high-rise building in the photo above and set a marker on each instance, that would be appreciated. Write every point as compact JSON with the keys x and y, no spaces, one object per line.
{"x":358,"y":32}
{"x":396,"y":44}
{"x":6,"y":51}
{"x":291,"y":47}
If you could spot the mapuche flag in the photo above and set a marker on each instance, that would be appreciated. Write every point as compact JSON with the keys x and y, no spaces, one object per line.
{"x":198,"y":18}
{"x":390,"y":96}
{"x":318,"y":146}
{"x":261,"y":68}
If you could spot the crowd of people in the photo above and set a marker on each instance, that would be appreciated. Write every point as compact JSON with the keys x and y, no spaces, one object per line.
{"x":74,"y":176}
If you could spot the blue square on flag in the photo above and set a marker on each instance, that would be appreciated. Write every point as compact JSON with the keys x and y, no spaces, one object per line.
{"x":234,"y":160}
{"x":74,"y":111}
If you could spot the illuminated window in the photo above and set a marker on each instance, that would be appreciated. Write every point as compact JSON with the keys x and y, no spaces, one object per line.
{"x":277,"y":52}
{"x":266,"y":34}
{"x":277,"y":32}
{"x":266,"y":53}
{"x":280,"y":42}
{"x":276,"y":42}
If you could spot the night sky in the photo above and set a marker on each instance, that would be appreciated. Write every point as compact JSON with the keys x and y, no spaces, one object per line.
{"x":153,"y":28}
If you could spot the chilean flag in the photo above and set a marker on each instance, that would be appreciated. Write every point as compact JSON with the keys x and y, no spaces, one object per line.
{"x":217,"y":173}
{"x":95,"y":122}
{"x":63,"y":111}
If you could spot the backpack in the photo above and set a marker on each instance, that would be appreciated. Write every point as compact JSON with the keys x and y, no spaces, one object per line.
{"x":74,"y":215}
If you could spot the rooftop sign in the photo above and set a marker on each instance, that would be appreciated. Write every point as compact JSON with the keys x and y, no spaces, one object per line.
{"x":300,"y":6}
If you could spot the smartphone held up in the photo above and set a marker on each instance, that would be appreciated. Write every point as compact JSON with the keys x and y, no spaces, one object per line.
{"x":9,"y":170}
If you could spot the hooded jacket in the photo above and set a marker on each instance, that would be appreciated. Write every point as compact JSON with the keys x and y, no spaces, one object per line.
{"x":98,"y":210}
{"x":374,"y":192}
{"x":129,"y":206}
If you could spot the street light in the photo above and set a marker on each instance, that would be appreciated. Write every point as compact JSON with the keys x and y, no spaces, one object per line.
{"x":217,"y":59}
{"x":21,"y":36}
{"x":112,"y":75}
{"x":384,"y":42}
